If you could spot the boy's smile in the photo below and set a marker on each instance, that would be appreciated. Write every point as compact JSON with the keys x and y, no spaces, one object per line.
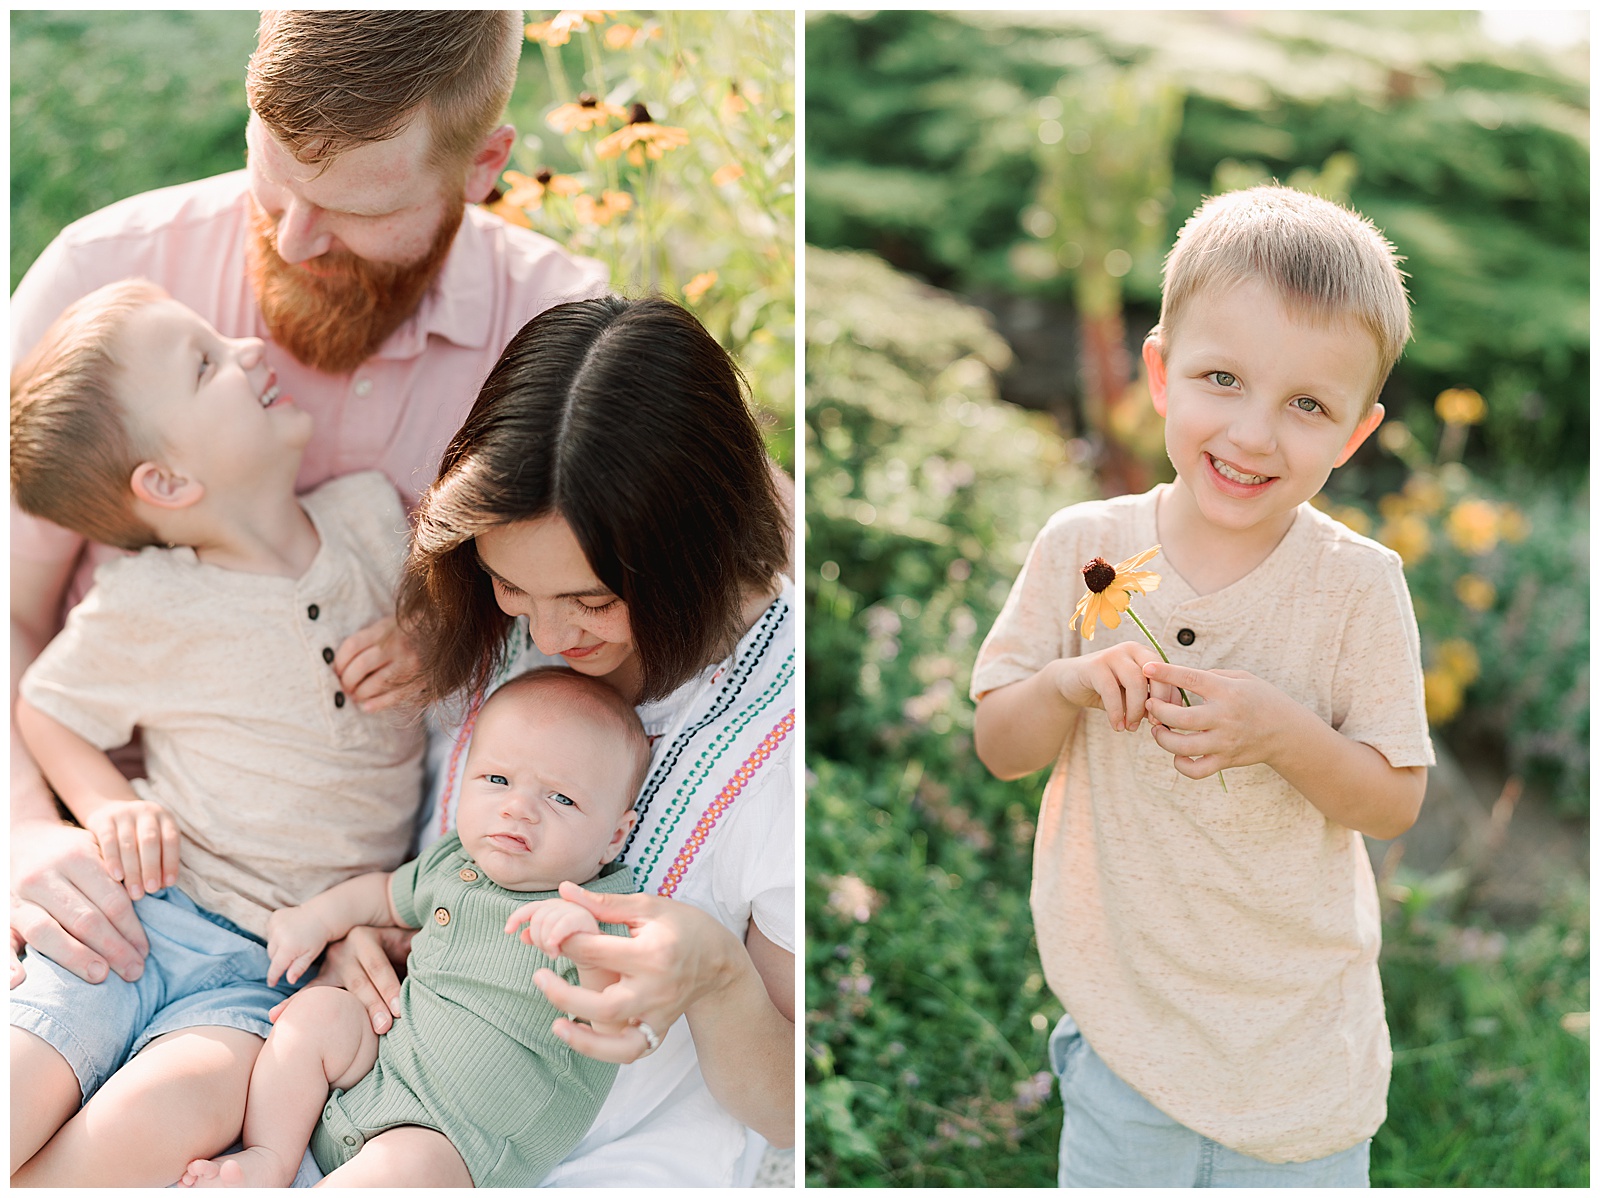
{"x":1261,"y":404}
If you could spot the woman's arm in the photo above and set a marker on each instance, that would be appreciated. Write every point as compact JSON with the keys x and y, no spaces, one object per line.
{"x":680,"y":960}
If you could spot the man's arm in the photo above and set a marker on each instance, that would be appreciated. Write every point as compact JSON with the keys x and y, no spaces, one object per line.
{"x":64,"y":903}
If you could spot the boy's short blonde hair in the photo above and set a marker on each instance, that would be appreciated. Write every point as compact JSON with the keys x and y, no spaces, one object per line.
{"x":1322,"y":259}
{"x":72,"y":450}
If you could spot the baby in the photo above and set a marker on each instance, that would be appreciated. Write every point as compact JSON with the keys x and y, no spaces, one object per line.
{"x":134,"y":423}
{"x":471,"y":1075}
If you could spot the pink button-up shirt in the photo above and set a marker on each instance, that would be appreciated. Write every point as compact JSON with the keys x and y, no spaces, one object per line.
{"x":394,"y":413}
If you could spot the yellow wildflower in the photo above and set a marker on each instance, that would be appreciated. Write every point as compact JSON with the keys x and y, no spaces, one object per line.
{"x":603,"y":211}
{"x":1441,"y":696}
{"x":509,"y":212}
{"x":727,"y":174}
{"x":1459,"y":659}
{"x":1474,"y":525}
{"x":1395,"y":437}
{"x":1408,"y":536}
{"x":559,"y":29}
{"x":1460,"y":405}
{"x":1513,"y":525}
{"x":1394,"y":507}
{"x":1111,"y":590}
{"x":583,"y":115}
{"x":694,"y":290}
{"x":1353,"y":518}
{"x":528,"y":191}
{"x":1475,"y":592}
{"x":1425,"y":494}
{"x":640,"y":137}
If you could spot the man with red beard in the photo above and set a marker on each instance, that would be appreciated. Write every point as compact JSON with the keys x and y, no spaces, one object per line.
{"x":351,"y":244}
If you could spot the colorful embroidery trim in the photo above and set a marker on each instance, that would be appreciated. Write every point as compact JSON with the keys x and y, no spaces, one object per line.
{"x":724,"y":800}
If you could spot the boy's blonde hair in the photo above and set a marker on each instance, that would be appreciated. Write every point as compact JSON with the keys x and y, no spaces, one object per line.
{"x":72,"y":450}
{"x":1321,"y":259}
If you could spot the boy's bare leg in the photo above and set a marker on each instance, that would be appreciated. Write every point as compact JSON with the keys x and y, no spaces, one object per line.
{"x":403,"y":1157}
{"x":323,"y":1039}
{"x":181,"y":1097}
{"x":44,"y":1094}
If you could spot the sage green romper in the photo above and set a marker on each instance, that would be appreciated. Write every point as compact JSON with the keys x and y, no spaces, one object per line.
{"x":472,"y":1054}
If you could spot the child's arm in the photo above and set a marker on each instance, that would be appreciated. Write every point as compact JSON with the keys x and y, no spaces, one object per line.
{"x":138,"y":838}
{"x":296,"y":936}
{"x":546,"y":924}
{"x":1020,"y":727}
{"x":1246,"y":720}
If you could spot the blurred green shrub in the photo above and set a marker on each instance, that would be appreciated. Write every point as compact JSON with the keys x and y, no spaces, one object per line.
{"x":1473,"y":158}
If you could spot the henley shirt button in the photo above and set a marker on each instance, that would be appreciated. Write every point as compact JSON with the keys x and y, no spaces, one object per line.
{"x":313,"y":611}
{"x":1186,"y":636}
{"x":338,"y":699}
{"x":469,"y":875}
{"x":327,"y":656}
{"x":441,"y":917}
{"x":363,"y":386}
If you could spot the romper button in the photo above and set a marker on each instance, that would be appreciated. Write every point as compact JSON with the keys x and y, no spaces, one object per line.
{"x":327,"y":656}
{"x":1186,"y":636}
{"x":469,"y":875}
{"x":338,"y":699}
{"x":313,"y":611}
{"x":350,"y":1140}
{"x":441,"y":917}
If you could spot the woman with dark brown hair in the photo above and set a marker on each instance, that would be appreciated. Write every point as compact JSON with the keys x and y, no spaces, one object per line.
{"x":608,"y":506}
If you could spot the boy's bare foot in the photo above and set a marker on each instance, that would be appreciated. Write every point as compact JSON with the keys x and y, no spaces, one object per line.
{"x":254,"y":1167}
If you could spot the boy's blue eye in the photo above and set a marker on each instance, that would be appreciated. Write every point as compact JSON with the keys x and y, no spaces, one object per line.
{"x":498,"y":780}
{"x":1223,"y":378}
{"x":562,"y":799}
{"x":1304,"y":400}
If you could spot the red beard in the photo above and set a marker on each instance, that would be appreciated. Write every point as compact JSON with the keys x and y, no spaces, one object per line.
{"x":336,"y":319}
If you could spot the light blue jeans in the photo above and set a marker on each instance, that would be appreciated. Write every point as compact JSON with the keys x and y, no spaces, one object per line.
{"x":1111,"y":1136}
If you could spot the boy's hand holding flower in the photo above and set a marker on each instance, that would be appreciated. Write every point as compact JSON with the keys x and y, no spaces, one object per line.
{"x":1113,"y":679}
{"x":1239,"y":724}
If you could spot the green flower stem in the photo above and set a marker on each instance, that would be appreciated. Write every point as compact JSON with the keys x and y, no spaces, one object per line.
{"x":1182,"y":694}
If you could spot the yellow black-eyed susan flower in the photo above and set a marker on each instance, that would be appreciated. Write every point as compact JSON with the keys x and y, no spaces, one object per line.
{"x":584,"y":114}
{"x":641,"y":137}
{"x":528,"y":191}
{"x":1111,"y":589}
{"x":559,"y":29}
{"x":603,"y":211}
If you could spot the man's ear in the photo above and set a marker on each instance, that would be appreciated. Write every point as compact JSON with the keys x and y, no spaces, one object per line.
{"x":164,"y":487}
{"x":1156,"y":367}
{"x":1369,"y":422}
{"x":488,"y":162}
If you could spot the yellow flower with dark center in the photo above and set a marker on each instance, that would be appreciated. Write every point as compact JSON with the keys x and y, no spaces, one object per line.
{"x":1460,"y":405}
{"x":1475,"y":592}
{"x":584,"y":114}
{"x":1474,"y":525}
{"x":694,"y":290}
{"x":641,"y":137}
{"x":559,"y":29}
{"x":528,"y":191}
{"x":603,"y":211}
{"x":1111,"y":589}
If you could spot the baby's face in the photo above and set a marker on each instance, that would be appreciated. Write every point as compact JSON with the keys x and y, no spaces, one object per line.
{"x":211,"y":403}
{"x":1260,"y":404}
{"x":546,"y":793}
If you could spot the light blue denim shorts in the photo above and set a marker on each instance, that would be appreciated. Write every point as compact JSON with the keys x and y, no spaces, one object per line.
{"x":1112,"y":1136}
{"x":202,"y":971}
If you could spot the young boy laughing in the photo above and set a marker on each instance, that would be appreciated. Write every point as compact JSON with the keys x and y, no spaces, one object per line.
{"x":1216,"y":947}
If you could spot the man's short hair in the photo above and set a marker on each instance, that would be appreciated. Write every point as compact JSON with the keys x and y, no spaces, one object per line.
{"x":326,"y":81}
{"x":72,"y":450}
{"x":1322,"y":259}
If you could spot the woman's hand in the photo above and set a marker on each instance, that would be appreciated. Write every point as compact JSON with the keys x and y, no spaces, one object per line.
{"x":377,"y":665}
{"x":139,"y":843}
{"x":364,"y":964}
{"x":676,"y":956}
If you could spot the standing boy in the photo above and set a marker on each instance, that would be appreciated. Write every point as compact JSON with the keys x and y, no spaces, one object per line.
{"x":1216,"y":948}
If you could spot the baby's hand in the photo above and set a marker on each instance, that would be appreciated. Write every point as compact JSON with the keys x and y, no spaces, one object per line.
{"x":1114,"y":679}
{"x":295,"y":938}
{"x":549,"y":923}
{"x":139,"y":844}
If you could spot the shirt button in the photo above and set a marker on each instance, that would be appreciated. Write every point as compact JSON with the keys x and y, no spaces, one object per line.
{"x":313,"y":611}
{"x":468,"y":875}
{"x":327,"y":656}
{"x":363,"y":386}
{"x":338,"y":699}
{"x":1186,"y":636}
{"x":441,"y":917}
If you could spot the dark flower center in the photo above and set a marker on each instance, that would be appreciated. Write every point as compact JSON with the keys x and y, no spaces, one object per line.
{"x":588,"y":100}
{"x":639,"y":115}
{"x":544,"y":175}
{"x":1098,"y":575}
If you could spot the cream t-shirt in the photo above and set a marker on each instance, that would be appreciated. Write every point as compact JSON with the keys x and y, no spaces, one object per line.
{"x":1219,"y":948}
{"x":280,"y":786}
